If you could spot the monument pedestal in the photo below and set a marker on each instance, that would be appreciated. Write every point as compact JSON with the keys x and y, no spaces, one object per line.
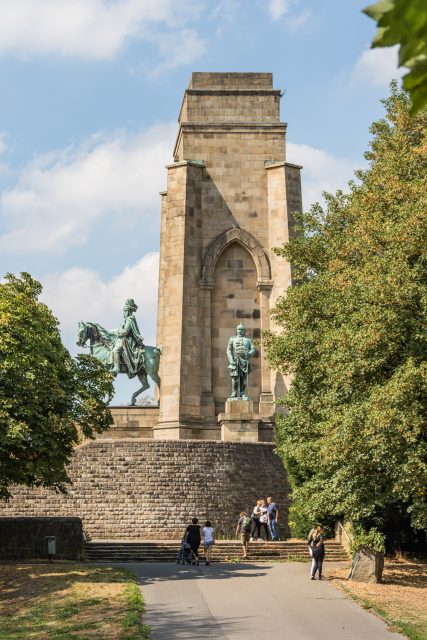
{"x":239,"y":423}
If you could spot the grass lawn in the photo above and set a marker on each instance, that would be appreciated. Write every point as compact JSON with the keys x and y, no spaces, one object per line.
{"x":69,"y":602}
{"x":401,"y":599}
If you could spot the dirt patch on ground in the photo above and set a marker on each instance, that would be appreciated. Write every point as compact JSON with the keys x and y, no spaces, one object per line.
{"x":68,"y":601}
{"x":402,"y":596}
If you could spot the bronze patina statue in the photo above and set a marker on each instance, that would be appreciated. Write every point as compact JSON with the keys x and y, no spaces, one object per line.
{"x":123,"y":350}
{"x":127,"y":355}
{"x":239,"y":352}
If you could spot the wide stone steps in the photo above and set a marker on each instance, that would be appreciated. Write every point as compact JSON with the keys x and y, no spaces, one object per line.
{"x":223,"y":551}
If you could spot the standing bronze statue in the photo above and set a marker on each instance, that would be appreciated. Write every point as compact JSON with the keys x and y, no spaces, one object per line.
{"x":239,"y":352}
{"x":123,"y":350}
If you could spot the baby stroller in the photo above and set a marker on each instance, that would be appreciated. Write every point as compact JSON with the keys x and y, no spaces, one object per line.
{"x":185,"y":554}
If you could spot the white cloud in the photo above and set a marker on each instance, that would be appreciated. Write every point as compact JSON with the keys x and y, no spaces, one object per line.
{"x":278,"y":8}
{"x":175,"y":49}
{"x":93,"y":29}
{"x":321,"y":171}
{"x":61,"y":197}
{"x":376,"y":68}
{"x":82,"y":294}
{"x":3,"y":145}
{"x":300,"y":19}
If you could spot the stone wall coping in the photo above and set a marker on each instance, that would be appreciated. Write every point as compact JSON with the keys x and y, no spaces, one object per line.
{"x":221,"y":91}
{"x":273,"y":164}
{"x":200,"y":164}
{"x":179,"y":443}
{"x":232,"y":126}
{"x":197,"y":77}
{"x":132,"y":407}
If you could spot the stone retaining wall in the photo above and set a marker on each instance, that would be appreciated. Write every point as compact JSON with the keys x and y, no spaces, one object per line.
{"x":24,"y":538}
{"x":124,"y":489}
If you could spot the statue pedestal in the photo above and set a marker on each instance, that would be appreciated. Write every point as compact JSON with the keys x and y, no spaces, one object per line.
{"x":239,"y":423}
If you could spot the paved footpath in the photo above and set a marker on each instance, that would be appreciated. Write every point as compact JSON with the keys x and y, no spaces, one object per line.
{"x":250,"y":601}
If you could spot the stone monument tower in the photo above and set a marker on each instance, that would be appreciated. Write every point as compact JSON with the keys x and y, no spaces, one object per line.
{"x":229,"y":201}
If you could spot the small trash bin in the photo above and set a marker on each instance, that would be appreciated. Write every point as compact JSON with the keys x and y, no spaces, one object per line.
{"x":50,"y":546}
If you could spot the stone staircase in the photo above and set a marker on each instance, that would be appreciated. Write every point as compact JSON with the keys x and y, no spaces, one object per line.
{"x":223,"y":551}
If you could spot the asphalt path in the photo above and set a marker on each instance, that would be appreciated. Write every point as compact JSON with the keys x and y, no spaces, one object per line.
{"x":245,"y":601}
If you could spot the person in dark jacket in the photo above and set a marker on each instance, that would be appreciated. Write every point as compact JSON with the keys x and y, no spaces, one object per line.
{"x":317,"y":552}
{"x":193,"y":538}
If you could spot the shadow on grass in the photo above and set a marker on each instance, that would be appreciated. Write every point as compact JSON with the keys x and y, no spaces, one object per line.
{"x":61,"y":602}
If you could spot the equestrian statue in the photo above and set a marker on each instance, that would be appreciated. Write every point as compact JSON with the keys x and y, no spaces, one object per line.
{"x":123,"y":350}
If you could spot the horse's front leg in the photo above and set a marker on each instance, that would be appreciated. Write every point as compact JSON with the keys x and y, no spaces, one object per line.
{"x":145,"y":385}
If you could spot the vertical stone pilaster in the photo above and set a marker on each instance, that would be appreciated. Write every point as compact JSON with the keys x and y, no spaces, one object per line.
{"x":180,"y":310}
{"x":266,"y":400}
{"x":207,"y":400}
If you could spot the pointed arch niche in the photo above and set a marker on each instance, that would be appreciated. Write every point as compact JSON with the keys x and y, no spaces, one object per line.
{"x":237,"y":278}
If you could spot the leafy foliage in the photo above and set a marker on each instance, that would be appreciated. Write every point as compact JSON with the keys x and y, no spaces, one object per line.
{"x":354,"y":438}
{"x":47,"y":399}
{"x":373,"y":539}
{"x":404,"y":22}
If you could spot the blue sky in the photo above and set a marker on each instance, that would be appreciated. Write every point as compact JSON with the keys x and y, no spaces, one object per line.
{"x":90,"y":95}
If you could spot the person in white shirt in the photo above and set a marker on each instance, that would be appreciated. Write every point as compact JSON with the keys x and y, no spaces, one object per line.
{"x":208,"y":540}
{"x":264,"y":521}
{"x":256,"y":524}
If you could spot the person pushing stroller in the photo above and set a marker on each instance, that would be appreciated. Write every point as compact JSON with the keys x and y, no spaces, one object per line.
{"x":193,"y":538}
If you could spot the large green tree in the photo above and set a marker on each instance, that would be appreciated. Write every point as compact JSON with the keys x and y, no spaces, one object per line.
{"x":48,"y":400}
{"x":354,"y":337}
{"x":404,"y":22}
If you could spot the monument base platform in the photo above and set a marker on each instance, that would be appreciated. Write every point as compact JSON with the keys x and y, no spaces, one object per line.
{"x":132,"y":422}
{"x":239,"y":423}
{"x":150,"y":489}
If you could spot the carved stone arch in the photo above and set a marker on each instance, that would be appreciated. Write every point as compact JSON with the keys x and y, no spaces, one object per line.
{"x":248,"y":242}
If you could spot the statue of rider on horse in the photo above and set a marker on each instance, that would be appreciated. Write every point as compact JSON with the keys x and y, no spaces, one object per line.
{"x":123,"y":350}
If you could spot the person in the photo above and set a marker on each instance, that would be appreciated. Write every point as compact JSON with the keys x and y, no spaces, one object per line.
{"x":193,"y":538}
{"x":239,"y":352}
{"x":318,"y":553}
{"x":127,"y":354}
{"x":256,"y":525}
{"x":309,"y":539}
{"x":273,"y":515}
{"x":263,"y":519}
{"x":208,"y":541}
{"x":244,"y":528}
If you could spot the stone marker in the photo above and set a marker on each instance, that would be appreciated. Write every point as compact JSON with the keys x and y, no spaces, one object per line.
{"x":367,"y":566}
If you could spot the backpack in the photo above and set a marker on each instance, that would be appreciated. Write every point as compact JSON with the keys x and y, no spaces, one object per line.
{"x":246,"y":524}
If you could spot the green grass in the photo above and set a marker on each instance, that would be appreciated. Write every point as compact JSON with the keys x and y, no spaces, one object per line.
{"x":61,"y":602}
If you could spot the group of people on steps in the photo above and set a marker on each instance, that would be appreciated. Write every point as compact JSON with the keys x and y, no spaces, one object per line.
{"x":260,"y":525}
{"x":264,"y":518}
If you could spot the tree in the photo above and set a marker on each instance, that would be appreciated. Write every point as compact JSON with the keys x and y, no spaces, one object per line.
{"x":48,"y":400}
{"x":404,"y":22}
{"x":354,"y":438}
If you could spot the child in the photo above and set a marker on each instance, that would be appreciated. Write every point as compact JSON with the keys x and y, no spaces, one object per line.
{"x":208,"y":540}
